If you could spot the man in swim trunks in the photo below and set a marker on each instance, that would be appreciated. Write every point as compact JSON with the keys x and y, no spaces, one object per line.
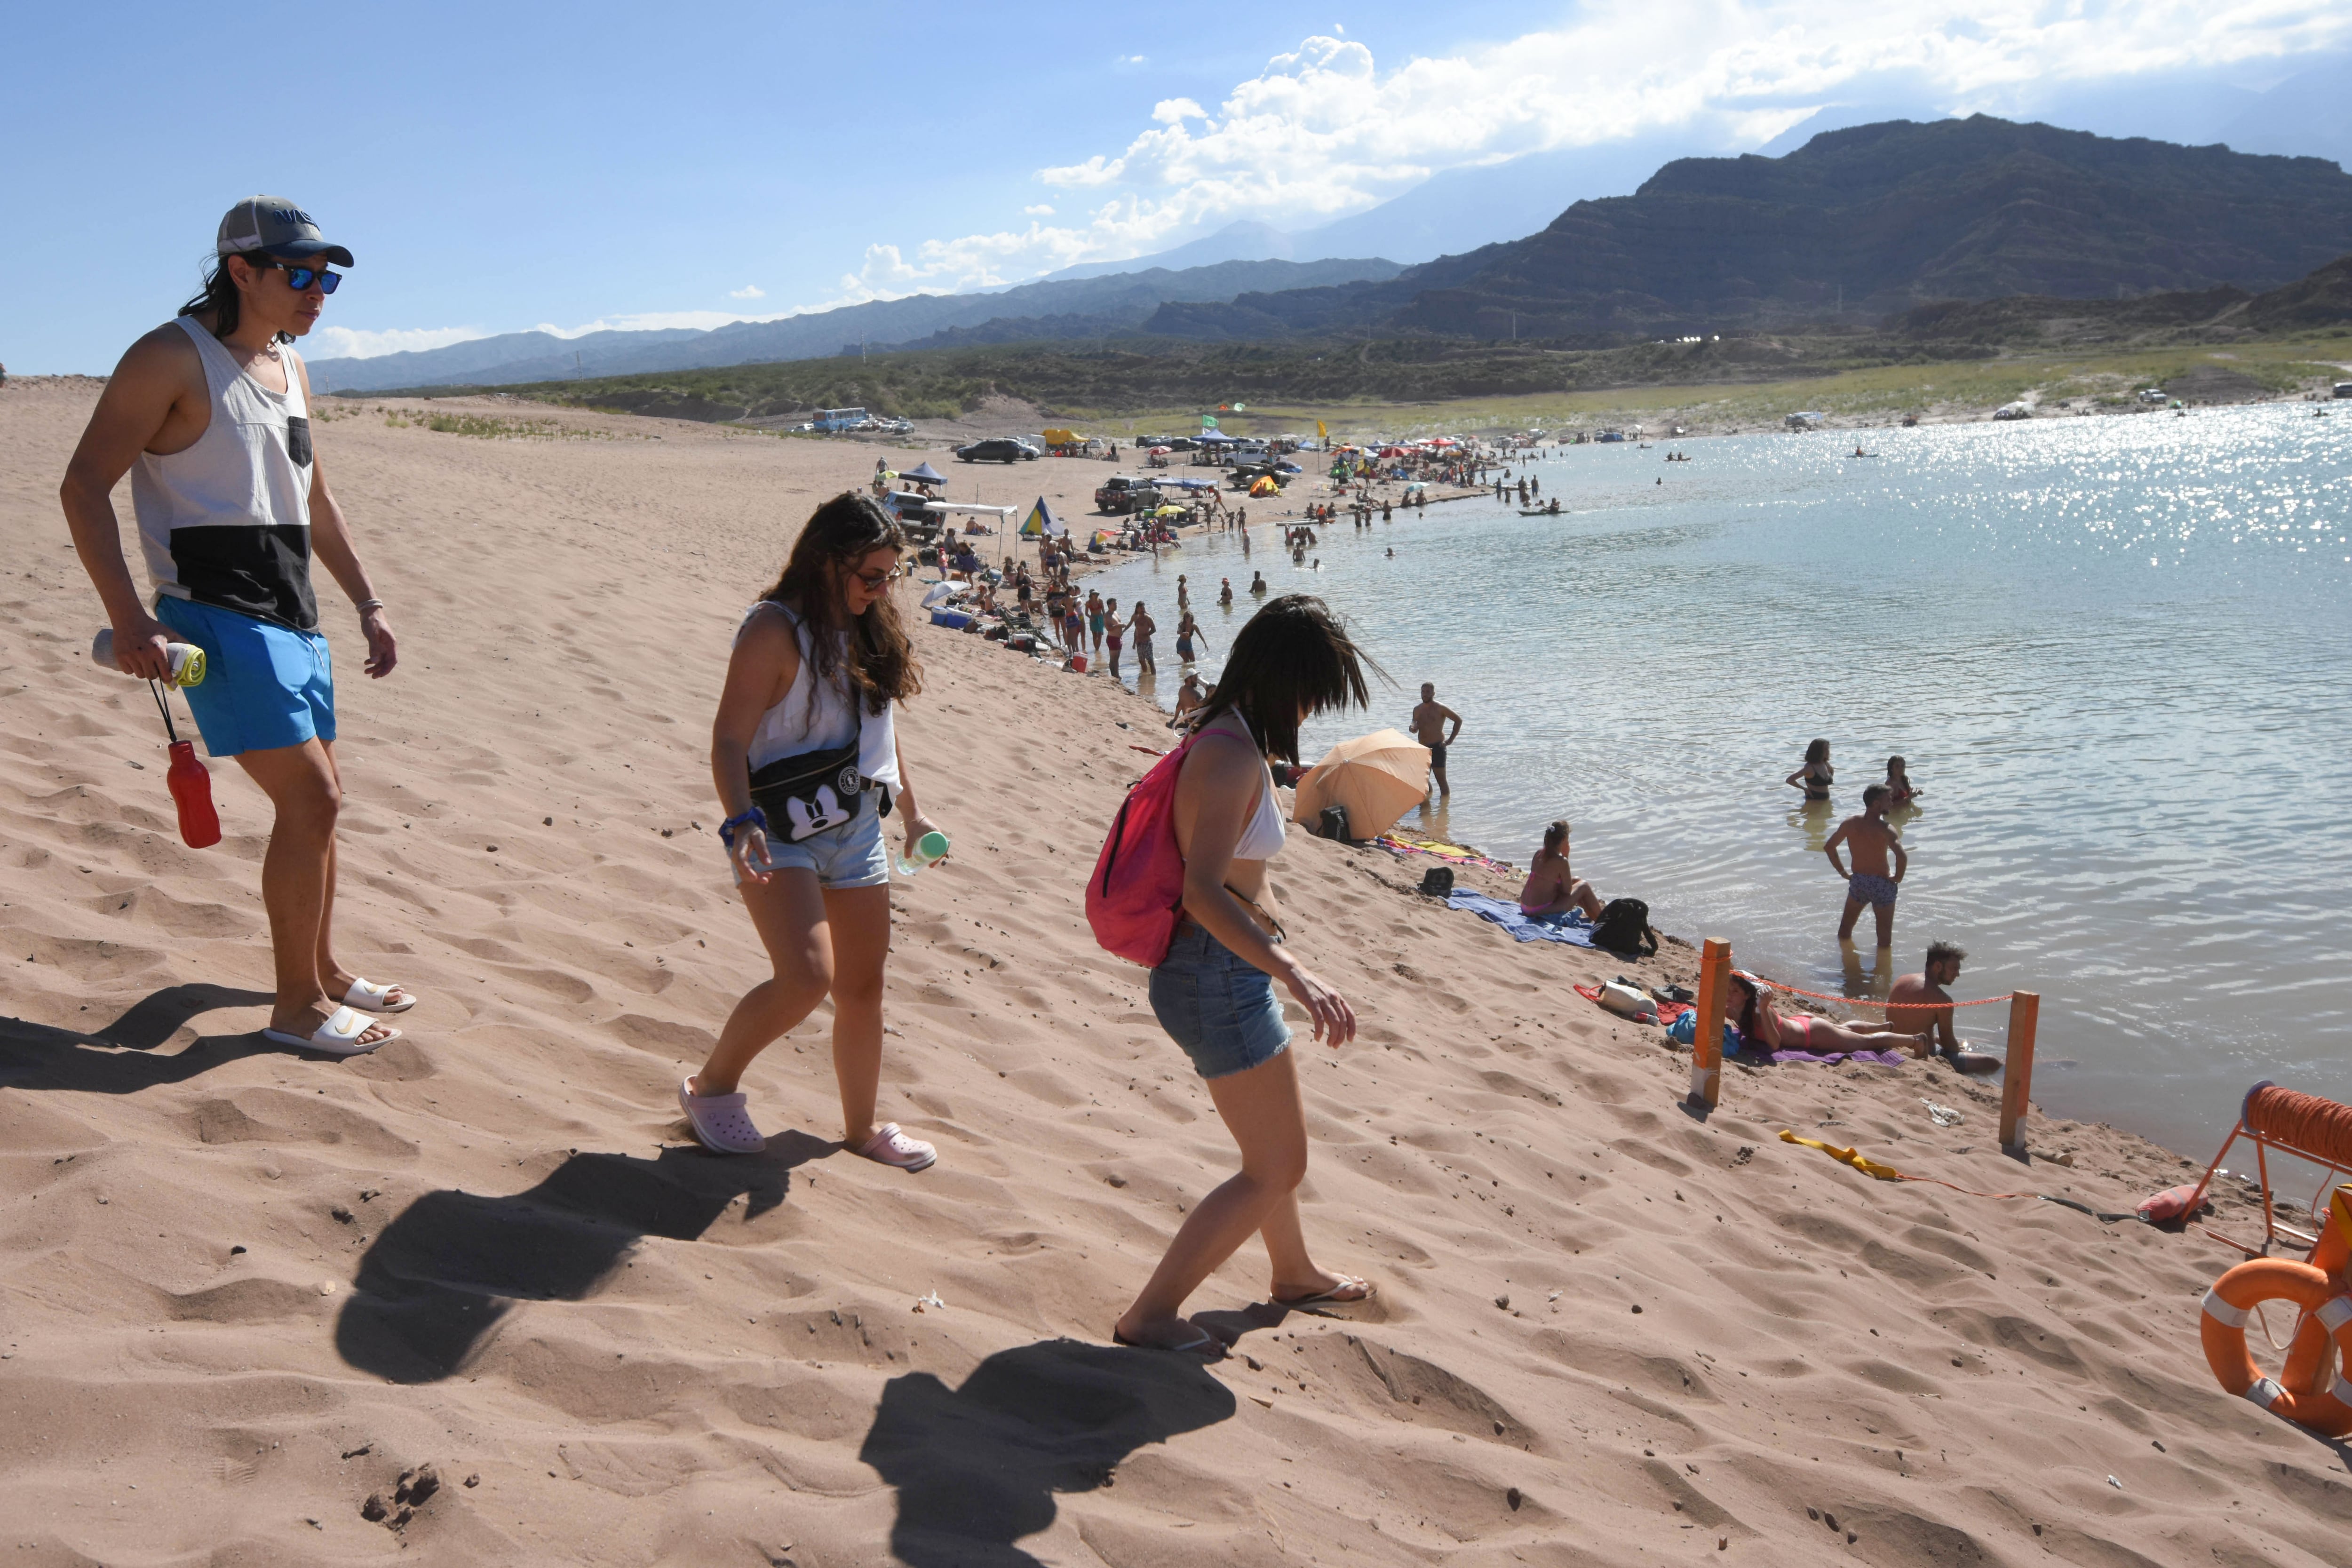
{"x":1428,"y":723}
{"x":1869,"y":841}
{"x":210,"y":416}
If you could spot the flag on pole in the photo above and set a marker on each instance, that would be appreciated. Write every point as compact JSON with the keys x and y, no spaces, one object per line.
{"x":1041,"y":522}
{"x":1208,"y":422}
{"x":1321,"y":433}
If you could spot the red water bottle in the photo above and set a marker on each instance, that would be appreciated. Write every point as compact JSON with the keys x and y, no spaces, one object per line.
{"x":192,"y":789}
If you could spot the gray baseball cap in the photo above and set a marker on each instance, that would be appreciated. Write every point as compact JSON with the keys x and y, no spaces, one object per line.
{"x":276,"y":226}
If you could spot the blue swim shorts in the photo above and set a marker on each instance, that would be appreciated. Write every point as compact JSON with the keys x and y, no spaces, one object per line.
{"x":1217,"y":1005}
{"x":1863,"y":890}
{"x":265,"y":686}
{"x":850,"y":856}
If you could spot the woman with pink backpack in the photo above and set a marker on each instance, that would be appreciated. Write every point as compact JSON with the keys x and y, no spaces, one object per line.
{"x":1216,"y":953}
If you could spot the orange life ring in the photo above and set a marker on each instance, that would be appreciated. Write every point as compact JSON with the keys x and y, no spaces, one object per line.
{"x":2297,"y":1393}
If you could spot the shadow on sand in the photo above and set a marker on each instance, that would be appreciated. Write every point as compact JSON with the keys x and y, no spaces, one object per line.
{"x":977,"y":1467}
{"x":444,"y":1273}
{"x":117,"y":1058}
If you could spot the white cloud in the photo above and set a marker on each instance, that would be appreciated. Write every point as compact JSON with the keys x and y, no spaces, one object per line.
{"x":1322,"y":133}
{"x":355,"y":342}
{"x":749,"y":291}
{"x":1040,"y":210}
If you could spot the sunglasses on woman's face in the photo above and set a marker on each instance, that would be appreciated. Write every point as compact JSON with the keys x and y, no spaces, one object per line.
{"x":300,"y":278}
{"x":876,"y":581}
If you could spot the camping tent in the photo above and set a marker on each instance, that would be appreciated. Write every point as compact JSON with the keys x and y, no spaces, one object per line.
{"x":1041,"y":522}
{"x":924,"y":475}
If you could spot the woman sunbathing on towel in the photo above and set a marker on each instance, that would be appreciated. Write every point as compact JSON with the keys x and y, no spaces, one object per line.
{"x":1759,"y":1018}
{"x":1553,"y":889}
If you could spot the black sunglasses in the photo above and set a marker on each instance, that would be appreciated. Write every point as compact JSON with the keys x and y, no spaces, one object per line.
{"x":301,"y":277}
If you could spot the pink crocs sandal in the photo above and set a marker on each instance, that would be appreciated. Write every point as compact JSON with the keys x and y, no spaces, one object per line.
{"x":889,"y":1146}
{"x":720,"y":1120}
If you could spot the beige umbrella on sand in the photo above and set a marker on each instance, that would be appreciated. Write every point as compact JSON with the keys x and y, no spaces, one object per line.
{"x":1377,"y":777}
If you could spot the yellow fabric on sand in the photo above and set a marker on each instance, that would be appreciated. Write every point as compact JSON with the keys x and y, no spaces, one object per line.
{"x":1860,"y":1162}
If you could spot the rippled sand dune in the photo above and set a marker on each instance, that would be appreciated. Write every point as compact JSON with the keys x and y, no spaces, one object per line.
{"x":243,"y":1291}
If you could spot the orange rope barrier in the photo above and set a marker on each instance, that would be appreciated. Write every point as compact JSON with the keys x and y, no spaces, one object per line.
{"x":1870,"y":1002}
{"x":2304,"y":1123}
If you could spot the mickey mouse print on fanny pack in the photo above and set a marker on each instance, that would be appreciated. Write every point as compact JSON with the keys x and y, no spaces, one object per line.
{"x":812,"y":793}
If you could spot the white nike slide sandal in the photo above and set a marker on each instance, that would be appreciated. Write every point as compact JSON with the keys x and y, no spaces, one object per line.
{"x":377,"y":998}
{"x":338,"y":1036}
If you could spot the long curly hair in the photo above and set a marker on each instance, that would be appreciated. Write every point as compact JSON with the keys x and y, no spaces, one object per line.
{"x":868,"y":654}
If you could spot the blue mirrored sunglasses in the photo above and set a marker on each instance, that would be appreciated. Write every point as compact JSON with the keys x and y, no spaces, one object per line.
{"x":301,"y":277}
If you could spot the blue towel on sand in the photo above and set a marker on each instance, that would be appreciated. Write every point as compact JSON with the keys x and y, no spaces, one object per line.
{"x":1571,"y":928}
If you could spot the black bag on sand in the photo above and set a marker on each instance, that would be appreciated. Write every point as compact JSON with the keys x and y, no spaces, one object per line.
{"x":1438,"y":881}
{"x":1625,"y":927}
{"x":1332,"y":824}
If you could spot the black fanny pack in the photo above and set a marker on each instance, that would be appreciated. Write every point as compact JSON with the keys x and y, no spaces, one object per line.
{"x":812,"y":793}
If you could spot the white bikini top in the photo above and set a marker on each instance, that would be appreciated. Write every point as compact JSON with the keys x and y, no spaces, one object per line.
{"x":1261,"y":834}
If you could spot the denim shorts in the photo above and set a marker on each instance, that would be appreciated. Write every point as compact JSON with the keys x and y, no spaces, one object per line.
{"x":265,"y":686}
{"x":850,"y":856}
{"x":1217,"y":1005}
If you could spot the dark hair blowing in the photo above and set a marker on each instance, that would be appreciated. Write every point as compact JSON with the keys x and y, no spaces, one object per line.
{"x":220,"y":299}
{"x":1945,"y":953}
{"x":880,"y":665}
{"x":1292,"y":658}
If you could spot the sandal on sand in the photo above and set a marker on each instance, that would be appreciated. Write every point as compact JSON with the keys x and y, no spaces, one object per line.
{"x":1190,"y":1347}
{"x":1348,"y":1292}
{"x":720,"y":1121}
{"x":338,"y":1036}
{"x":889,"y":1146}
{"x":376,"y":998}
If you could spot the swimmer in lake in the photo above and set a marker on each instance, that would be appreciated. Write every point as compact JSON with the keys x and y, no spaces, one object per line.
{"x":1900,"y":791}
{"x":1816,"y":775}
{"x":1258,"y":582}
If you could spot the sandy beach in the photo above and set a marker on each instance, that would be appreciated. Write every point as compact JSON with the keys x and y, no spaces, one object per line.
{"x":243,"y":1291}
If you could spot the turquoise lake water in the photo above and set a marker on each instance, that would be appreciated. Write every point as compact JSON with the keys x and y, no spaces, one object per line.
{"x":2114,"y":652}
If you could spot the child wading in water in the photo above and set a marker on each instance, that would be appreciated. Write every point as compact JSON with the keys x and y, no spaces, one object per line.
{"x":1214,"y":992}
{"x":806,"y":759}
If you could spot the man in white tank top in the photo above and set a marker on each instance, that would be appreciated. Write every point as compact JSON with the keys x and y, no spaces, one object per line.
{"x":210,"y":414}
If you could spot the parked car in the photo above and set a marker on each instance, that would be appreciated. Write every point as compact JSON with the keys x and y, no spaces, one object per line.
{"x":996,"y":450}
{"x":1120,"y":493}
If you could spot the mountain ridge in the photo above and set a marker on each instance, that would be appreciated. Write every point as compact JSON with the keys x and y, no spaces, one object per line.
{"x":1121,"y":299}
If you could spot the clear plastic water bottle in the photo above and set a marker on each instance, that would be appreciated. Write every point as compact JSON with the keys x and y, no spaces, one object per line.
{"x":929,"y":851}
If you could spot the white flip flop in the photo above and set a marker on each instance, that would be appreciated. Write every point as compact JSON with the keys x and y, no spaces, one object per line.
{"x":376,"y":998}
{"x":338,"y":1036}
{"x":720,"y":1121}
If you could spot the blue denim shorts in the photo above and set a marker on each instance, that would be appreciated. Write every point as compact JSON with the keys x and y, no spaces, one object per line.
{"x":265,"y":686}
{"x":1217,"y":1005}
{"x":850,"y":856}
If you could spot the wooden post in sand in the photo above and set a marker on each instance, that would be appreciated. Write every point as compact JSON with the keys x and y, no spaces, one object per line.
{"x":1706,"y":1042}
{"x":2017,"y":1079}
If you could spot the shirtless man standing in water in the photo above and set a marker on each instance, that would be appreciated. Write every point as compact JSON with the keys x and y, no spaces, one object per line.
{"x":1869,"y":841}
{"x":1429,"y":721}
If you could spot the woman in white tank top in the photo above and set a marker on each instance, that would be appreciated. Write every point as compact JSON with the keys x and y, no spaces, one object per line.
{"x":1214,"y":992}
{"x":805,"y":755}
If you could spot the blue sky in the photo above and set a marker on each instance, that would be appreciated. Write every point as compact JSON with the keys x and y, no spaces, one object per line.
{"x":497,"y":167}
